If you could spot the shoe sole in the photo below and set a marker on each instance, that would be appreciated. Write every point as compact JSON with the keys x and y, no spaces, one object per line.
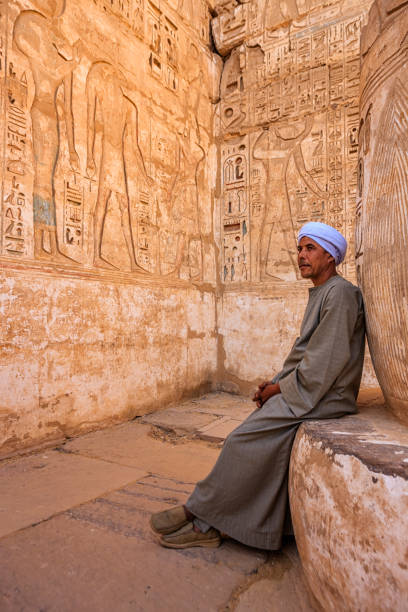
{"x":169,"y":529}
{"x":201,"y":543}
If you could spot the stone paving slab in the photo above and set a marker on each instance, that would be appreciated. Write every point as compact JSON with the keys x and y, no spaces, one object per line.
{"x":132,"y":445}
{"x":210,"y":418}
{"x":36,"y":487}
{"x":180,"y":422}
{"x":103,"y":556}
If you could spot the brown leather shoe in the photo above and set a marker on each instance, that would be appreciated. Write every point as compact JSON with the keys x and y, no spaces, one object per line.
{"x":187,"y":537}
{"x":168,"y":521}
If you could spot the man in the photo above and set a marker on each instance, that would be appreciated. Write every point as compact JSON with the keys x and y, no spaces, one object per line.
{"x":246,"y":494}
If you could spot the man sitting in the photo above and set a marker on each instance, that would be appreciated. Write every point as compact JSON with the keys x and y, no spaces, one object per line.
{"x":246,"y":493}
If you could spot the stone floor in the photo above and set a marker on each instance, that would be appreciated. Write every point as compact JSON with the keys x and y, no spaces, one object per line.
{"x":74,"y":529}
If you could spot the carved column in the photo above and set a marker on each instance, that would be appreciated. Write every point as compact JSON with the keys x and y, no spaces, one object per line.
{"x":382,"y":209}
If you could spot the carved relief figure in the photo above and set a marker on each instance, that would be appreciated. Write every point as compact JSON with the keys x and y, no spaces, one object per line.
{"x":184,"y":201}
{"x":107,"y":98}
{"x":192,"y":142}
{"x":52,"y":60}
{"x":276,"y":255}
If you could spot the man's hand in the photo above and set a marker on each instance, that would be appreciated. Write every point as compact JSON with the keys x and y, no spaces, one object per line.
{"x":266,"y":390}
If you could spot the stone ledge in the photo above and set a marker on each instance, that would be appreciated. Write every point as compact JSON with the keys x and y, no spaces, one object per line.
{"x":348,"y":490}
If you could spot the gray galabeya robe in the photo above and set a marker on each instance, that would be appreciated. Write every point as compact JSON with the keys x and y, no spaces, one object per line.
{"x":246,"y":494}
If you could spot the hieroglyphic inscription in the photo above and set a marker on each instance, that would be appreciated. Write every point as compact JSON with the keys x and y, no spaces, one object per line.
{"x":73,"y":215}
{"x":15,"y":189}
{"x":163,"y":40}
{"x":231,"y":25}
{"x":310,"y":78}
{"x":130,"y":11}
{"x":147,"y":237}
{"x":307,"y":73}
{"x":196,"y":14}
{"x":236,"y":263}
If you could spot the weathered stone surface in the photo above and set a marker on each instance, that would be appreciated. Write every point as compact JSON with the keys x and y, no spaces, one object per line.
{"x":383,"y":196}
{"x":151,"y":195}
{"x":218,"y":430}
{"x":348,"y":493}
{"x":106,"y":237}
{"x":101,"y":555}
{"x":282,"y":587}
{"x":287,"y":133}
{"x":210,"y":418}
{"x":107,"y":560}
{"x":134,"y":445}
{"x":35,"y":488}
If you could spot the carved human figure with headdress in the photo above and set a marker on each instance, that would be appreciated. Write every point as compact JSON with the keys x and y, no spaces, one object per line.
{"x":52,"y":59}
{"x":276,"y":239}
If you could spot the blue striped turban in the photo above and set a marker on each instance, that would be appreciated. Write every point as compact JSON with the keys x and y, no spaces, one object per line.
{"x":328,"y":237}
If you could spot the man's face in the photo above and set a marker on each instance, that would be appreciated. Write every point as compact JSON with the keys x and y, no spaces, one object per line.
{"x":313,"y":261}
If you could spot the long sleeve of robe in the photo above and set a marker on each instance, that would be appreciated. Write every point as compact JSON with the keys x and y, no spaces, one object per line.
{"x":325,"y":363}
{"x":246,"y":495}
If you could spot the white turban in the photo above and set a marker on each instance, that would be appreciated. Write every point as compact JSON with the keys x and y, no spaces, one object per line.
{"x":328,"y":237}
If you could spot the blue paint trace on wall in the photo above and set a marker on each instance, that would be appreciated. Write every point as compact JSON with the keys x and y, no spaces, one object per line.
{"x":44,"y":212}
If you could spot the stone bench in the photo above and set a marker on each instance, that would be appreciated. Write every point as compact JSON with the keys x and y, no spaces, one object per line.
{"x":348,"y":490}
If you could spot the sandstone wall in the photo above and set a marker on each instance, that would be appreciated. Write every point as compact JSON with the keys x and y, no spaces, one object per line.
{"x":151,"y":195}
{"x":287,"y":133}
{"x":383,"y":196}
{"x":106,"y":238}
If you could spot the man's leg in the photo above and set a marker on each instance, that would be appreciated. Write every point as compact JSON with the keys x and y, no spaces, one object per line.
{"x":245,"y":495}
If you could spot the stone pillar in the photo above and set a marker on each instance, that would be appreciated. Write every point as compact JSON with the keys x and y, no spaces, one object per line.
{"x":348,"y":490}
{"x":382,"y":220}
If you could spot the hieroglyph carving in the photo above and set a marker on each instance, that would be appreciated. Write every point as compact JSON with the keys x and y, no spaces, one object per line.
{"x":195,"y":13}
{"x":85,"y":126}
{"x":16,"y":222}
{"x":130,"y":11}
{"x":276,"y":236}
{"x":163,"y":38}
{"x":294,"y":89}
{"x":235,"y":211}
